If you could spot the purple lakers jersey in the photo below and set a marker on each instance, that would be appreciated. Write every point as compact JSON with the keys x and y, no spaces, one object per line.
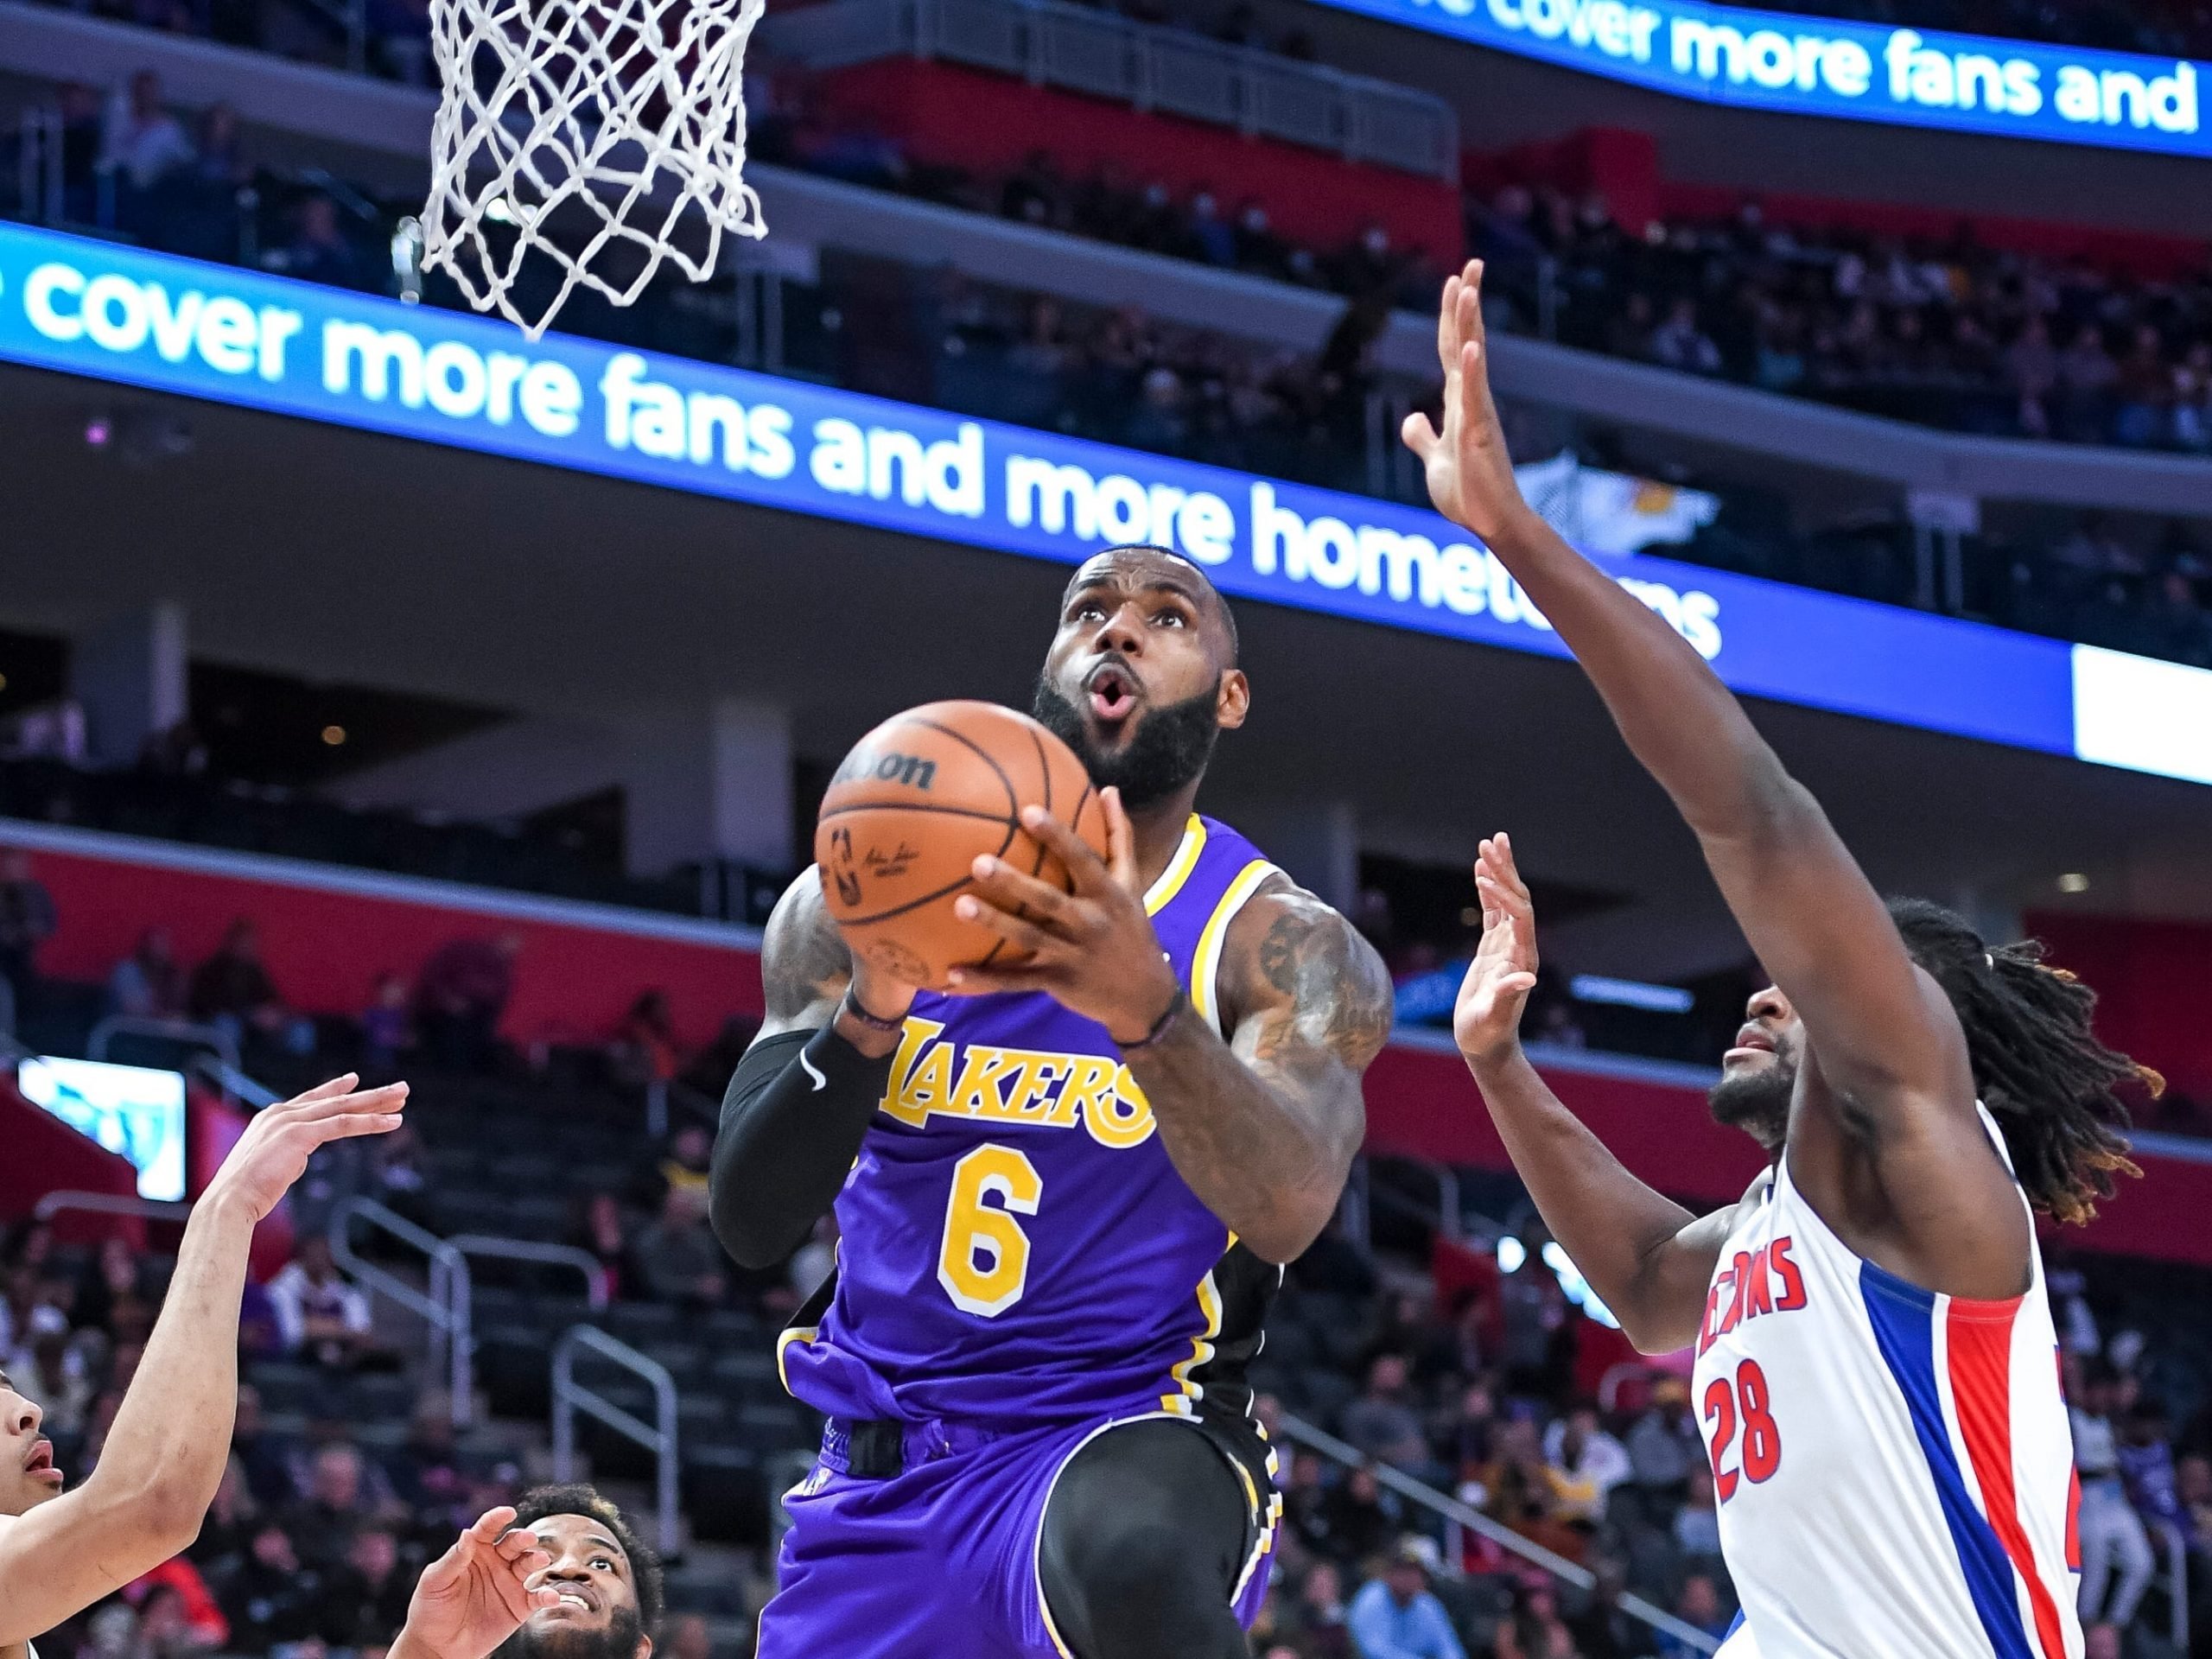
{"x":1016,"y":1246}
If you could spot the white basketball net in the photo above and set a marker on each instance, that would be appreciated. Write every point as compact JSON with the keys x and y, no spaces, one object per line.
{"x":618,"y":116}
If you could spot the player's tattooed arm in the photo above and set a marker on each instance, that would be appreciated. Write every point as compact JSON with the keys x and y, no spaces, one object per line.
{"x":1264,"y":1127}
{"x":805,"y":966}
{"x":805,"y":969}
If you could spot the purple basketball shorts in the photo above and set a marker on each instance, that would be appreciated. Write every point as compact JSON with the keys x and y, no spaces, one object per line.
{"x":938,"y":1561}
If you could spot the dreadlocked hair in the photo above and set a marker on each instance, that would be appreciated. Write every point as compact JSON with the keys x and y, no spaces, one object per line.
{"x":2053,"y":1086}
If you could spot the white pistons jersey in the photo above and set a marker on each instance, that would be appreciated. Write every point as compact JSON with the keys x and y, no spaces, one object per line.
{"x":1894,"y":1467}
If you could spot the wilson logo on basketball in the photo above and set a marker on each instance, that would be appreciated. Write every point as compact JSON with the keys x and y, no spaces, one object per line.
{"x":910,"y":770}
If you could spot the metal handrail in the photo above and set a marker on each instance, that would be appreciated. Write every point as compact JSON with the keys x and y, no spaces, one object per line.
{"x":109,"y":1204}
{"x":2177,"y":1586}
{"x":234,"y":1082}
{"x":177,"y":1030}
{"x":1451,"y":1509}
{"x":570,"y":1396}
{"x":558,"y":1256}
{"x":444,"y":1308}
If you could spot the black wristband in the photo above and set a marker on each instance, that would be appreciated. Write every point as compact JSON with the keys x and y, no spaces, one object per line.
{"x":851,"y":1005}
{"x":1160,"y":1027}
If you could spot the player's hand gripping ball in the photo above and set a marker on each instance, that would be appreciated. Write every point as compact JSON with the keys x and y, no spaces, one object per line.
{"x":909,"y":810}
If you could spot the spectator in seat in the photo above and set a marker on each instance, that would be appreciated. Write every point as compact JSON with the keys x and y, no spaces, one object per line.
{"x":644,"y":1050}
{"x":1382,"y":1423}
{"x":1354,"y":1522}
{"x":319,"y":251}
{"x":27,"y":921}
{"x":273,"y":1598}
{"x":688,"y":1637}
{"x":320,"y":1315}
{"x":1698,"y":1604}
{"x":225,"y":1539}
{"x":387,"y":1027}
{"x":2144,"y":389}
{"x":1603,"y":1630}
{"x":600,"y":1230}
{"x":2031,"y":376}
{"x":460,"y":998}
{"x":2101,"y":1642}
{"x":1678,"y":343}
{"x":198,"y":1625}
{"x":678,"y":1258}
{"x":365,"y":1602}
{"x":1318,"y":1614}
{"x":1664,"y":1446}
{"x":266,"y":1459}
{"x":2111,"y":1532}
{"x":233,"y":990}
{"x":1697,"y":1523}
{"x":690,"y":1162}
{"x":2086,"y":375}
{"x":1586,"y":1463}
{"x":344,"y":1494}
{"x":425,"y":1471}
{"x":1397,"y":1615}
{"x":143,"y":141}
{"x":1535,"y":1629}
{"x":149,"y":983}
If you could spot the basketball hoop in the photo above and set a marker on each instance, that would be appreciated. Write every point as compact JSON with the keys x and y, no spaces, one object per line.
{"x":587,"y":131}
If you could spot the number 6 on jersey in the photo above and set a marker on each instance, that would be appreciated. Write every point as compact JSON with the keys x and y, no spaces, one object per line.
{"x":983,"y":1263}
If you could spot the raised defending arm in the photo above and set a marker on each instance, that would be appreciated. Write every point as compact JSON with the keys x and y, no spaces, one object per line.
{"x":1648,"y":1258}
{"x":1881,"y":1032}
{"x":171,"y":1437}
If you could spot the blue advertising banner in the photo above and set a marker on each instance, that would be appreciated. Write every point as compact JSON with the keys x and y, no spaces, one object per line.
{"x":270,"y":343}
{"x":1857,"y":71}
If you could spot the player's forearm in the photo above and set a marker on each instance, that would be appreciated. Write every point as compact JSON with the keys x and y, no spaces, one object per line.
{"x":1269,"y":1161}
{"x":792,"y":1122}
{"x":1678,"y":718}
{"x":171,"y":1435}
{"x":1617,"y":1231}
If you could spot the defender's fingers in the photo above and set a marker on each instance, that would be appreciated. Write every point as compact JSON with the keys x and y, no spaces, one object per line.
{"x":389,"y":1098}
{"x":337,"y":1086}
{"x":1417,"y":435}
{"x":494,"y":1521}
{"x":1447,"y":312}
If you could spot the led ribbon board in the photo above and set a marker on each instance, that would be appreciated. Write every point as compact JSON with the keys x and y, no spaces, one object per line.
{"x":292,"y":348}
{"x":1856,"y":72}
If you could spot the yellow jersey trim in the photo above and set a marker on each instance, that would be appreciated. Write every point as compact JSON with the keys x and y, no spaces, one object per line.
{"x":1205,"y":961}
{"x":783,"y":1340}
{"x":1178,"y":867}
{"x":1179,"y":1402}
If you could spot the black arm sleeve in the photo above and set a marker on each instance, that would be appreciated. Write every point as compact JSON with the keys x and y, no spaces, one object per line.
{"x":792,"y":1120}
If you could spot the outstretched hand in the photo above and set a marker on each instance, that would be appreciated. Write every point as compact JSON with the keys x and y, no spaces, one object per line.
{"x":1093,"y":949}
{"x":1486,"y":1021}
{"x":273,"y":1153}
{"x":477,"y":1594}
{"x":1469,"y":473}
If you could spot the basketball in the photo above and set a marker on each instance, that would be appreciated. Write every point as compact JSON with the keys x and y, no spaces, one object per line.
{"x":911,"y":807}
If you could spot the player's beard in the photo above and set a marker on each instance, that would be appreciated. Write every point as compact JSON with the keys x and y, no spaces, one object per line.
{"x":1168,"y":747}
{"x":1756,"y":1102}
{"x":618,"y":1640}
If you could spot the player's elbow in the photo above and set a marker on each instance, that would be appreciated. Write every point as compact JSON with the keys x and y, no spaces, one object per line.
{"x":754,"y":1236}
{"x":169,"y":1512}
